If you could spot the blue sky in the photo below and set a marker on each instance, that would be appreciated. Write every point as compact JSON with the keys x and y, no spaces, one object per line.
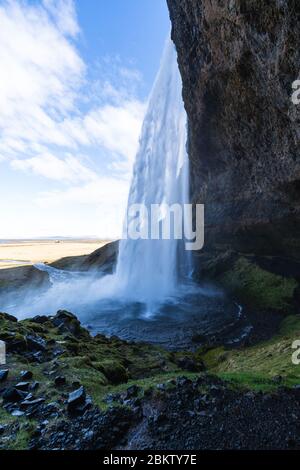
{"x":74,"y":83}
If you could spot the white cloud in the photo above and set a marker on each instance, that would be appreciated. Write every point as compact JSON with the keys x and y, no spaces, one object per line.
{"x":64,"y":14}
{"x":108,"y":195}
{"x":116,"y":127}
{"x":69,"y":169}
{"x":41,"y":73}
{"x":41,"y":82}
{"x":107,"y":191}
{"x":39,"y":66}
{"x":43,"y":128}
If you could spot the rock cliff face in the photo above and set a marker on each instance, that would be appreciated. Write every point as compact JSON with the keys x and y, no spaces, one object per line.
{"x":238,"y":60}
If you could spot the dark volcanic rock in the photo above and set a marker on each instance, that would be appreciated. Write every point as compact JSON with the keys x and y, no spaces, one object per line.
{"x":34,"y":386}
{"x":193,"y":414}
{"x":35,"y":343}
{"x":60,"y":380}
{"x":3,"y":375}
{"x":24,"y":386}
{"x":31,"y":402}
{"x":76,"y":398}
{"x":67,"y":322}
{"x":207,"y":414}
{"x":93,"y":430}
{"x":26,"y":375}
{"x":13,"y":395}
{"x":132,"y":391}
{"x":238,"y":61}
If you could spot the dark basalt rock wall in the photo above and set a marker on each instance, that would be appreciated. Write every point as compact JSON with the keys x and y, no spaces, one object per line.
{"x":238,"y":60}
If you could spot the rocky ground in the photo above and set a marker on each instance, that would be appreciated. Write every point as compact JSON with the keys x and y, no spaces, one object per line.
{"x":63,"y":389}
{"x":206,"y":413}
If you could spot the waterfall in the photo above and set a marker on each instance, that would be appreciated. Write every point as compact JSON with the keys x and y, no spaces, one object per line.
{"x":149,"y":270}
{"x":151,"y":277}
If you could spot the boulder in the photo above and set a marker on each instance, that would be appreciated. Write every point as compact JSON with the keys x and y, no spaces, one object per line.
{"x":76,"y":399}
{"x":36,"y":343}
{"x":67,"y":322}
{"x":26,"y":375}
{"x":60,"y":380}
{"x":3,"y":375}
{"x":23,"y":386}
{"x":12,"y":395}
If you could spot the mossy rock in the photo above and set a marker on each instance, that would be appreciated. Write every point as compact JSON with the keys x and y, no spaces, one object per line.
{"x":114,"y":371}
{"x":214,"y":357}
{"x":259,"y":288}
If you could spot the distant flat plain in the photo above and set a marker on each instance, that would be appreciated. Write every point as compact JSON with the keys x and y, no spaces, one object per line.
{"x":15,"y":253}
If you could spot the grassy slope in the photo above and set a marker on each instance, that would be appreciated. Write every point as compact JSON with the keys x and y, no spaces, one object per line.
{"x":259,"y":366}
{"x":259,"y":288}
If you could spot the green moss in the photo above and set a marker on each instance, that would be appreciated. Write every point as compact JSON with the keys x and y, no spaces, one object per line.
{"x":259,"y":288}
{"x":114,"y":371}
{"x":253,"y":381}
{"x":35,"y":327}
{"x":263,"y":361}
{"x":248,"y":380}
{"x":99,"y":363}
{"x":22,"y":438}
{"x":19,"y":430}
{"x":290,"y":326}
{"x":213,"y":357}
{"x":5,"y":417}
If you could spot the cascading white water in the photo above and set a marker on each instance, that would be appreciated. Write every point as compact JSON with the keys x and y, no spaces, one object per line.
{"x":149,"y":281}
{"x":148,"y":270}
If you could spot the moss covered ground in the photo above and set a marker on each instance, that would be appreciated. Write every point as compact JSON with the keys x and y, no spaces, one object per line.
{"x":258,"y":287}
{"x":265,"y":365}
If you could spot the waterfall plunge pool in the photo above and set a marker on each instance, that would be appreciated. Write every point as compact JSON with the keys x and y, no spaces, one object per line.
{"x":193,"y":315}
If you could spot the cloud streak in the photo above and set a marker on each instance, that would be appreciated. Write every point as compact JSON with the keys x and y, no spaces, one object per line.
{"x":44,"y":129}
{"x":49,"y":166}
